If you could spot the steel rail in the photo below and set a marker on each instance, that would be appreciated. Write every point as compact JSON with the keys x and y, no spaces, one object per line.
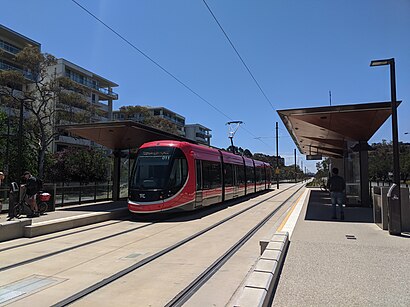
{"x":87,"y":291}
{"x":195,"y":285}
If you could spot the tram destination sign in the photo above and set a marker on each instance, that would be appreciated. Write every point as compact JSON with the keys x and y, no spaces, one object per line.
{"x":313,"y":157}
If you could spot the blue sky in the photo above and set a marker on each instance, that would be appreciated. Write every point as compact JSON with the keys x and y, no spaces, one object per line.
{"x":297,"y":50}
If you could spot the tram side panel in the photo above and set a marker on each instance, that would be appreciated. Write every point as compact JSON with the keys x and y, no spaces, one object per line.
{"x":233,"y":175}
{"x":208,"y":174}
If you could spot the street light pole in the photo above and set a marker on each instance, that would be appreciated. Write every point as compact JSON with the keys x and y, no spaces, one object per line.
{"x":395,"y":212}
{"x":20,"y":140}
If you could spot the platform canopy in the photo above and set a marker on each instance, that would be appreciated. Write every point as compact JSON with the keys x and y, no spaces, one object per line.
{"x":326,"y":130}
{"x":119,"y":135}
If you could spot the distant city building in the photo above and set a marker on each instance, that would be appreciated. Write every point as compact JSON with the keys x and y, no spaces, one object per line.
{"x":101,"y":96}
{"x":195,"y":132}
{"x":198,"y":133}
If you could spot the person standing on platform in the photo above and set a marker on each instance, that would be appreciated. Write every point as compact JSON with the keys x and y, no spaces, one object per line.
{"x":31,"y":192}
{"x":337,"y":185}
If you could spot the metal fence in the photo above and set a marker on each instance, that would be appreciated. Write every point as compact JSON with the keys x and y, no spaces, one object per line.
{"x":64,"y":194}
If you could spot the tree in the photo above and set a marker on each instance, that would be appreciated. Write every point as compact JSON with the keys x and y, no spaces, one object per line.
{"x":243,"y":152}
{"x":142,"y":114}
{"x":405,"y":161}
{"x":380,"y":160}
{"x":322,"y":168}
{"x":78,"y":164}
{"x":3,"y":137}
{"x":48,"y":100}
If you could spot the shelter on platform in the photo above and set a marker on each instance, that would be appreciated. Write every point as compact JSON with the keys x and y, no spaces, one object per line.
{"x":121,"y":137}
{"x":341,"y":133}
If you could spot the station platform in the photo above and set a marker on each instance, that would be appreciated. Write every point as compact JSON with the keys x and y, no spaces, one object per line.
{"x":327,"y":263}
{"x":61,"y":219}
{"x":342,"y":263}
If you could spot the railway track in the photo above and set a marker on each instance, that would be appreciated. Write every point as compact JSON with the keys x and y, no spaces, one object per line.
{"x":84,"y":244}
{"x":202,"y":217}
{"x":193,"y":287}
{"x":184,"y":295}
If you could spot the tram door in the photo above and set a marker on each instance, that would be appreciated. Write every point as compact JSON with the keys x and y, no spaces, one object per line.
{"x":198,"y":190}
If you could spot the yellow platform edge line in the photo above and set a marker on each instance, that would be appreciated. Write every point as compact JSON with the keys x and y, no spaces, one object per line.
{"x":289,"y":213}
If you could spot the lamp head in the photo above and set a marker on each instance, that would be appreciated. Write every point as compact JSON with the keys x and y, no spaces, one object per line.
{"x":381,"y":62}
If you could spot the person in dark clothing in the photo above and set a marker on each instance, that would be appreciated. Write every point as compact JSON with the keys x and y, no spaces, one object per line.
{"x":1,"y":179}
{"x":31,"y":191}
{"x":336,"y":185}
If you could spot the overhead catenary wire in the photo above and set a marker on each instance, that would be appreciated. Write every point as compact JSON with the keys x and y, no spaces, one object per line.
{"x":159,"y":65}
{"x":237,"y":53}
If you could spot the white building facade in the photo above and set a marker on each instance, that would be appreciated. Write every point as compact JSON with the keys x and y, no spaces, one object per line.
{"x":101,"y":96}
{"x":198,"y":133}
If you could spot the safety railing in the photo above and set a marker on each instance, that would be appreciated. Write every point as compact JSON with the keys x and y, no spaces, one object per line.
{"x":64,"y":194}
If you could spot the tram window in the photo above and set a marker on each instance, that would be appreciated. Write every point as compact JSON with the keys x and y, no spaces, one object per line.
{"x":260,"y":175}
{"x":250,"y":175}
{"x":179,"y":173}
{"x":228,"y":172}
{"x":211,"y":175}
{"x":240,"y":174}
{"x":198,"y":175}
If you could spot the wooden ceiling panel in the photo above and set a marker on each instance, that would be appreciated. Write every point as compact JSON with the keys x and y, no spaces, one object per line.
{"x":327,"y":129}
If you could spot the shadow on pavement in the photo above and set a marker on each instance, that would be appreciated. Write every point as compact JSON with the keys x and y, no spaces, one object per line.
{"x":105,"y":206}
{"x":320,"y":209}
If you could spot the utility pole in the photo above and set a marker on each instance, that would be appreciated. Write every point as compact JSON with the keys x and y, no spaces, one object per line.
{"x":330,"y":98}
{"x":277,"y":157}
{"x":296,"y":174}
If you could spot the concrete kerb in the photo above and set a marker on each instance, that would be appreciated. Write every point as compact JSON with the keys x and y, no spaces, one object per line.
{"x":260,"y":283}
{"x":13,"y":229}
{"x":51,"y":226}
{"x":25,"y":227}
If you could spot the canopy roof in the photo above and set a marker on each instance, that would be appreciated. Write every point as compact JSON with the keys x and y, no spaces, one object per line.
{"x":325,"y":130}
{"x":120,"y":135}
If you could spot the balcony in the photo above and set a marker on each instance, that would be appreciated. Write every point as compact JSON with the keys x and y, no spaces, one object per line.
{"x":27,"y":75}
{"x":9,"y":48}
{"x":93,"y":85}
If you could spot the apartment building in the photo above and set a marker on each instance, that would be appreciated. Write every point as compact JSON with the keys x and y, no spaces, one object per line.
{"x":173,"y":117}
{"x":198,"y":133}
{"x":195,"y":132}
{"x":100,"y":90}
{"x":12,"y":43}
{"x":101,"y":95}
{"x":161,"y":112}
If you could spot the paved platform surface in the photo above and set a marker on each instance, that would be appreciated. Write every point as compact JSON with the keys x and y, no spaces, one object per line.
{"x":74,"y":210}
{"x":343,"y":263}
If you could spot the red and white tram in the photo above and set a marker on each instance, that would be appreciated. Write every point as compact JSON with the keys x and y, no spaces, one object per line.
{"x":180,"y":176}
